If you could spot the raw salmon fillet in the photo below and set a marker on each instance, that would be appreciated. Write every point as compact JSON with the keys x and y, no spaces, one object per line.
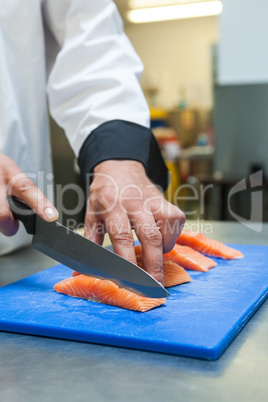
{"x":173,"y":273}
{"x":190,"y":259}
{"x":207,"y":246}
{"x":105,"y":291}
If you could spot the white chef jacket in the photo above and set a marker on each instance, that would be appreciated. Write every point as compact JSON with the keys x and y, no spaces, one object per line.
{"x":73,"y":53}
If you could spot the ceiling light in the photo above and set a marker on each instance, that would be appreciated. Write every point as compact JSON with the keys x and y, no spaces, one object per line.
{"x":157,"y":3}
{"x":167,"y":13}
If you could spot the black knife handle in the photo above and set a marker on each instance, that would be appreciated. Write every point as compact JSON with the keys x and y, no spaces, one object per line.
{"x":23,"y":213}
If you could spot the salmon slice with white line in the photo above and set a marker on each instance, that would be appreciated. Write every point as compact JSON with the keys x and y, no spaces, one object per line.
{"x":207,"y":246}
{"x":190,"y":259}
{"x":105,"y":291}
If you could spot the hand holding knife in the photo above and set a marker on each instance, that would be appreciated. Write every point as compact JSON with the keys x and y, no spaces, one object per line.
{"x":83,"y":255}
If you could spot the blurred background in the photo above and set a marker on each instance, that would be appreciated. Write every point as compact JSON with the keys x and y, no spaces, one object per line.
{"x":206,"y":82}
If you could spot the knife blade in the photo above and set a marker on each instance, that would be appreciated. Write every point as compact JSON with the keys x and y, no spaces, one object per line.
{"x":80,"y":254}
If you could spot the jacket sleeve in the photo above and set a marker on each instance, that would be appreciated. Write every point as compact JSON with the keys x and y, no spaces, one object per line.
{"x":93,"y":87}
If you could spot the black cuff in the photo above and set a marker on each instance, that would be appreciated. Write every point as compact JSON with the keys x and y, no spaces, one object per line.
{"x":119,"y":139}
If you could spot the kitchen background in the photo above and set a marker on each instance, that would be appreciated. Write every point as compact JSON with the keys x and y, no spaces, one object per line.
{"x":206,"y":82}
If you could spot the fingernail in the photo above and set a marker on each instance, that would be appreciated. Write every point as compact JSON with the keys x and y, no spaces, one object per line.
{"x":50,"y":213}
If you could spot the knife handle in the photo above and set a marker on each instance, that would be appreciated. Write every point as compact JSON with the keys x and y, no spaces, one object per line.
{"x":23,"y":213}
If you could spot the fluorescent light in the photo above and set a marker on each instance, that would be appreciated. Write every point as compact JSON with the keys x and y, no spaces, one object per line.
{"x":157,"y":3}
{"x":193,"y":10}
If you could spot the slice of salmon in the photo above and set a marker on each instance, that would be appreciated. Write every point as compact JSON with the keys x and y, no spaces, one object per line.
{"x":203,"y":244}
{"x":174,"y":274}
{"x":105,"y":291}
{"x":190,"y":259}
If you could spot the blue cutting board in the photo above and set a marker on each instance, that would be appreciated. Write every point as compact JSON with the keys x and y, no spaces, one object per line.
{"x":199,"y":319}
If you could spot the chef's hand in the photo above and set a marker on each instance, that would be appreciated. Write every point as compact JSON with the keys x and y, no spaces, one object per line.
{"x":121,"y":198}
{"x":14,"y":182}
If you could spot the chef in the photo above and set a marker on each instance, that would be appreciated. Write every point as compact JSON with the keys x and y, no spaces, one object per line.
{"x":74,"y":56}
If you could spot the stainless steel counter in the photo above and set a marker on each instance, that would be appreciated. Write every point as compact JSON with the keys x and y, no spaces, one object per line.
{"x":36,"y":369}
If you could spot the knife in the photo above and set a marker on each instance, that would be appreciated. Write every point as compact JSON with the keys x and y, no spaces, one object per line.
{"x":83,"y":255}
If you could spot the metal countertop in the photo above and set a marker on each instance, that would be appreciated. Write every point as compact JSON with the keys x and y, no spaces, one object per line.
{"x":37,"y":369}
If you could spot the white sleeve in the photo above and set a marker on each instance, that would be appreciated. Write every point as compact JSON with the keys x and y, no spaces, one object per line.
{"x":95,"y":77}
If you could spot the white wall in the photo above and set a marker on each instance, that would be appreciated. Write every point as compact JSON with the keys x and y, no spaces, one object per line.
{"x":243,"y":50}
{"x":177,"y":54}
